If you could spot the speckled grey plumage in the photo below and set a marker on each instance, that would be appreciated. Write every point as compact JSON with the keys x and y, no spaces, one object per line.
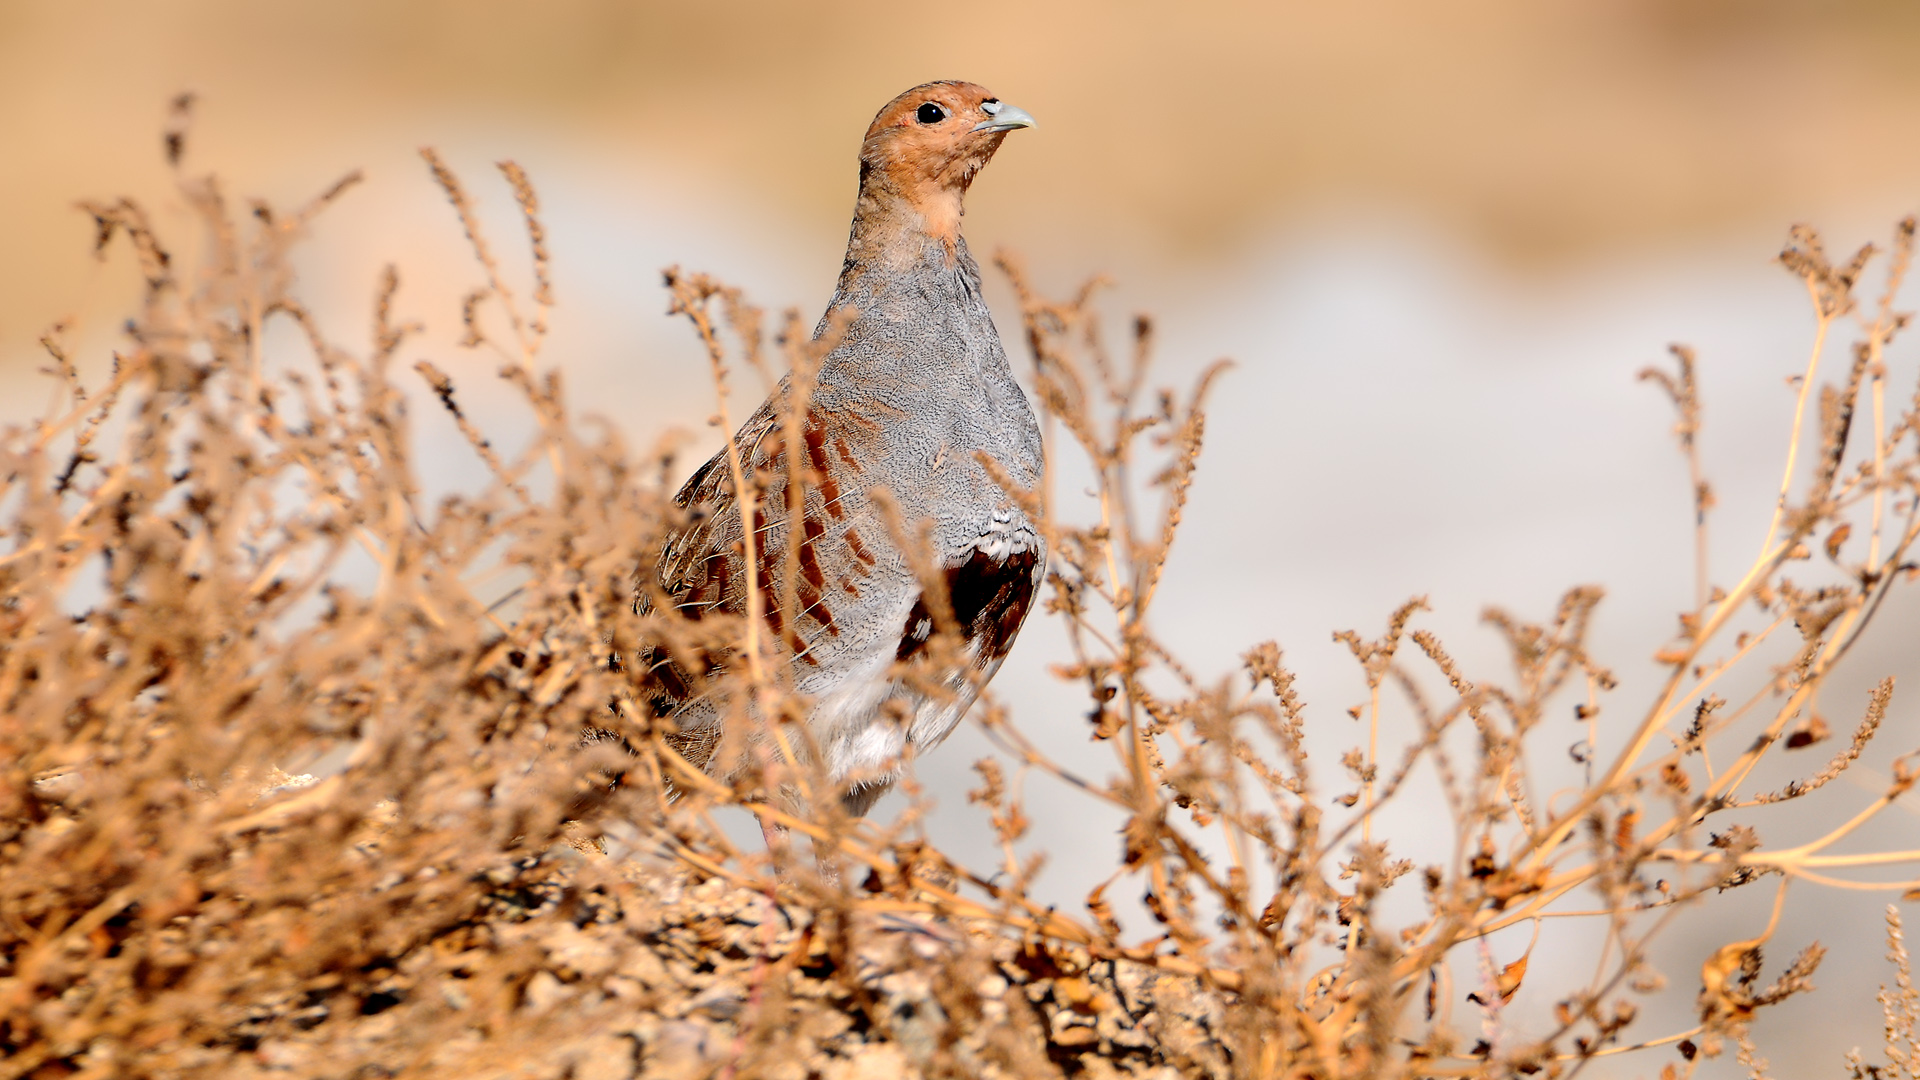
{"x":917,"y":386}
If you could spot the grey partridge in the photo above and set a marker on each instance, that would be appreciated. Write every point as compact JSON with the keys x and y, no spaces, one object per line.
{"x":916,"y":389}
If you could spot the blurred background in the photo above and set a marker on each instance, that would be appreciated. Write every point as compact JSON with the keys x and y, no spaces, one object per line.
{"x":1438,"y":241}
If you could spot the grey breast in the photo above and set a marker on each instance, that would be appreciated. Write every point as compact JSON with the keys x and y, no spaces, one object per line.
{"x":923,"y":357}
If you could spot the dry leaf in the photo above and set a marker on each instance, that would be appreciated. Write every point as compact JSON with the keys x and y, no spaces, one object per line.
{"x":1508,"y":983}
{"x":1623,"y":830}
{"x":1811,"y":730}
{"x":1837,"y":538}
{"x":1719,"y":998}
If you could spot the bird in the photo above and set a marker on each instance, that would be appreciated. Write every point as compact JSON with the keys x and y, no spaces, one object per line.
{"x":915,"y":390}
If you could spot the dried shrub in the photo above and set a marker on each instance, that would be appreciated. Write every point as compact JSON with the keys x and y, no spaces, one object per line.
{"x":216,"y":569}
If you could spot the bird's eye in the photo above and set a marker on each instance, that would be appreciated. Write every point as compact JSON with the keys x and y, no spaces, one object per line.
{"x":991,"y":106}
{"x":931,"y":113}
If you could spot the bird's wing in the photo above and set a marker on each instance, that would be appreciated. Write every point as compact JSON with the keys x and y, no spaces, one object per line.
{"x":703,"y":567}
{"x":700,"y":564}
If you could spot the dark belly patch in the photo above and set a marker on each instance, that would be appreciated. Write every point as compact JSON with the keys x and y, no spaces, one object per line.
{"x":990,"y":599}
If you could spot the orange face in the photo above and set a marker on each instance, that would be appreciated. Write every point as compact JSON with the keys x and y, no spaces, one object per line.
{"x":929,"y":142}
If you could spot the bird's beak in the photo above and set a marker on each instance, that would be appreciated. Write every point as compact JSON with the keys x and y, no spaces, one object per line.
{"x":1008,"y":118}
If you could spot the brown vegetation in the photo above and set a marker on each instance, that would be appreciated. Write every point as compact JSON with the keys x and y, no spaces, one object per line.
{"x":216,"y":567}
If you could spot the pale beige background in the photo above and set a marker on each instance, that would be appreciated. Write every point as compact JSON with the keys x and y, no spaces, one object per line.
{"x":1439,"y":240}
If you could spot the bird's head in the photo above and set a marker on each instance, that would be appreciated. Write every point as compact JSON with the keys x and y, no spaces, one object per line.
{"x":926,"y":146}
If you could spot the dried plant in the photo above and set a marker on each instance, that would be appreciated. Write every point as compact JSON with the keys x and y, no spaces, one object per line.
{"x":216,"y":570}
{"x":1900,"y":1006}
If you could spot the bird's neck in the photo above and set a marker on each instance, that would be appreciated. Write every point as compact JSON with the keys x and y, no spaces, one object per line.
{"x":895,"y":229}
